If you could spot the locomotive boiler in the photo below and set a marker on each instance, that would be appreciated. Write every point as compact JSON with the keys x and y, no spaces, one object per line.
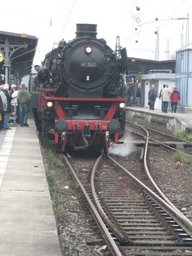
{"x":80,"y":93}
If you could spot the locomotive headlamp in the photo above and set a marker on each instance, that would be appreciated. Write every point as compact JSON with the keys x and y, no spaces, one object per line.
{"x":88,"y":49}
{"x":122,"y":105}
{"x":49,"y":104}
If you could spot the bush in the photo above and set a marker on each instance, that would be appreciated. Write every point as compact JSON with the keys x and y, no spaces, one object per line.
{"x":184,"y":135}
{"x":183,"y":158}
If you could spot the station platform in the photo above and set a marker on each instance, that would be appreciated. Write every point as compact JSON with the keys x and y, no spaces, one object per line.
{"x":172,"y":121}
{"x":28,"y":226}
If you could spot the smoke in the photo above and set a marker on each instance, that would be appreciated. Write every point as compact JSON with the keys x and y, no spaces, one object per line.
{"x":122,"y":149}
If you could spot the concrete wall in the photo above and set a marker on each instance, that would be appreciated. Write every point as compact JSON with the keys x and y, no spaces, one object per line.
{"x":169,"y":123}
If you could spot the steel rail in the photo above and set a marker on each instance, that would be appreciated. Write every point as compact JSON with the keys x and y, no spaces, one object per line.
{"x":188,"y":222}
{"x":149,"y":174}
{"x":170,"y":135}
{"x":106,"y":235}
{"x":184,"y":220}
{"x":173,"y":211}
{"x":118,"y":231}
{"x":161,"y":143}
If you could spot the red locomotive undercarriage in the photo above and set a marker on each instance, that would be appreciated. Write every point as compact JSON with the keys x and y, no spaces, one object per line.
{"x":88,"y":132}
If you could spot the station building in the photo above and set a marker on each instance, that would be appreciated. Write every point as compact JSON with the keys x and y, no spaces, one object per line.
{"x":175,"y":73}
{"x":147,"y":72}
{"x":183,"y":78}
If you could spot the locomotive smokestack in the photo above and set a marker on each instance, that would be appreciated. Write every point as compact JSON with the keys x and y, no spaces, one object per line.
{"x":86,"y":30}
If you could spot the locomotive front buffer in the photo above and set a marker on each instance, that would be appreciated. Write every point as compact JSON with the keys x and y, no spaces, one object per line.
{"x":82,"y":123}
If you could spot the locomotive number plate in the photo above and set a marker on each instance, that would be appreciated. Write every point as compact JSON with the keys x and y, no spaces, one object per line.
{"x":88,"y":64}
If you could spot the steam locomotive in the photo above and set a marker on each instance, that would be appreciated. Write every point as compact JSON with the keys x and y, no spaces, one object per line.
{"x":81,"y":103}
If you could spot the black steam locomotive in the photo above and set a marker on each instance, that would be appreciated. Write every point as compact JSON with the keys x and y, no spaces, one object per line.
{"x":80,"y":93}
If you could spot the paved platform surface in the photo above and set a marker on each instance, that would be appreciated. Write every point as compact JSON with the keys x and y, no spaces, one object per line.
{"x":28,"y":226}
{"x":184,"y":118}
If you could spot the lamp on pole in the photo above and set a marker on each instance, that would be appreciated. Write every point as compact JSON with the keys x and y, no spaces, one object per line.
{"x":157,"y":44}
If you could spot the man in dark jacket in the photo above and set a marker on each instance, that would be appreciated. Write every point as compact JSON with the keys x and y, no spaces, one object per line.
{"x":152,"y":95}
{"x":23,"y":98}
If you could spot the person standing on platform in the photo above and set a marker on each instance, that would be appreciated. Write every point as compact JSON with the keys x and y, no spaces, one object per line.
{"x":129,"y":94}
{"x":1,"y":111}
{"x":165,"y":95}
{"x":138,"y":96}
{"x":160,"y":97}
{"x":7,"y":107}
{"x":175,"y":97}
{"x":14,"y":104}
{"x":23,"y":98}
{"x":152,"y":95}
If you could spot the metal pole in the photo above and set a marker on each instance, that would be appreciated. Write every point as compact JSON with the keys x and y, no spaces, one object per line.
{"x":187,"y":30}
{"x":157,"y":44}
{"x":167,"y":52}
{"x":7,"y":62}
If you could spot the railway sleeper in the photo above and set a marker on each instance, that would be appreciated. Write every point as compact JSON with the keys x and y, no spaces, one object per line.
{"x":169,"y":223}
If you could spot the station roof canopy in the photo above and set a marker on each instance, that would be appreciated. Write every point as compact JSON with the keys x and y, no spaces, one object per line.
{"x":145,"y":66}
{"x":19,"y":51}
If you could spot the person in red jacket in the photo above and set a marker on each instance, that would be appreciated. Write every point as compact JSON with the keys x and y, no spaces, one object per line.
{"x":175,"y":97}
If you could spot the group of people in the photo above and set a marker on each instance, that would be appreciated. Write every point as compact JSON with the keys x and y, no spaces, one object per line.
{"x":130,"y":95}
{"x":15,"y":100}
{"x":166,"y":96}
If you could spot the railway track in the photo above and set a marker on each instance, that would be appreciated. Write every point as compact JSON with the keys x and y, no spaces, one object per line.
{"x":134,"y":216}
{"x":158,"y":138}
{"x":134,"y":219}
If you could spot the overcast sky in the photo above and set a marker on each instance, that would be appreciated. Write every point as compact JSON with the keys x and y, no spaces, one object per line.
{"x":134,"y":21}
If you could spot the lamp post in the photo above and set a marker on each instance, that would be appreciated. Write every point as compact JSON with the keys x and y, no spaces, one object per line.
{"x":157,"y":44}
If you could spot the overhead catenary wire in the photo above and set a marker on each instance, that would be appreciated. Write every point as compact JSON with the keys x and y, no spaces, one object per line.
{"x":68,"y":16}
{"x":144,"y":27}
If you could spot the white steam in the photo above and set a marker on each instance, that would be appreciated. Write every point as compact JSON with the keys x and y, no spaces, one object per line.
{"x":122,"y":149}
